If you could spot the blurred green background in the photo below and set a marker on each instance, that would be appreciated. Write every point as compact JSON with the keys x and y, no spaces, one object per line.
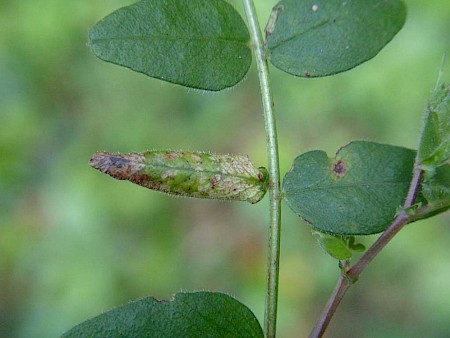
{"x":75,"y":243}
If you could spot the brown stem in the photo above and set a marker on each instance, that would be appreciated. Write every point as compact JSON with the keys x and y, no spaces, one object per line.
{"x":332,"y":304}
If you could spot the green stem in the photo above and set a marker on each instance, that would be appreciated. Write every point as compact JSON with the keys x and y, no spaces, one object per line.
{"x":270,"y":317}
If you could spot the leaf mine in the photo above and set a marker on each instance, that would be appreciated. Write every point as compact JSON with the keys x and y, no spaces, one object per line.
{"x":190,"y":174}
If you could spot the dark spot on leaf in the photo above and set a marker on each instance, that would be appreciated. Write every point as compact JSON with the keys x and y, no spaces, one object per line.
{"x":339,"y":168}
{"x":308,"y":221}
{"x":213,"y":181}
{"x":307,"y":74}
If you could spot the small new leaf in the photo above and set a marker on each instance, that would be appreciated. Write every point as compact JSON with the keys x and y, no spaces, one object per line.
{"x":412,"y":210}
{"x":190,"y":174}
{"x":335,"y":246}
{"x":434,"y":148}
{"x":436,"y":185}
{"x":339,"y":247}
{"x":359,"y":247}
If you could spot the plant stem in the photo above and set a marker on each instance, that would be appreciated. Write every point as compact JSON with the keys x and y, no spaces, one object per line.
{"x":332,"y":304}
{"x":270,"y":317}
{"x":351,"y":275}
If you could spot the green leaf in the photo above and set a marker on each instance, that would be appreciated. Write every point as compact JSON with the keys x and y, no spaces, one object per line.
{"x":197,"y":43}
{"x":336,"y":247}
{"x":190,"y":174}
{"x":359,"y":247}
{"x":198,"y":314}
{"x":355,"y":193}
{"x":434,"y":148}
{"x":436,"y":186}
{"x":315,"y":38}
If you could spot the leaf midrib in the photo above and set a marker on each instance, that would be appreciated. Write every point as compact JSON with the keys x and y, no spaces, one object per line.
{"x":169,"y":38}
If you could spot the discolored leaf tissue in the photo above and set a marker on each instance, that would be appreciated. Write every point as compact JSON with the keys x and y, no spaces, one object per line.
{"x":190,"y":174}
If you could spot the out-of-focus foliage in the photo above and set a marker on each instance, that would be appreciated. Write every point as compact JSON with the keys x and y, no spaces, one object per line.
{"x":74,"y":243}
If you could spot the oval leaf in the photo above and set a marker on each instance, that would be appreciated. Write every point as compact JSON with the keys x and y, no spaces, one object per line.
{"x":191,"y":174}
{"x":336,"y":247}
{"x":324,"y":37}
{"x":356,"y":193}
{"x":197,"y":43}
{"x":198,"y":314}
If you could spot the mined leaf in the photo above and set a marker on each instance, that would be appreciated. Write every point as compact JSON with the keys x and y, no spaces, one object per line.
{"x":355,"y":193}
{"x":315,"y":38}
{"x":197,"y":43}
{"x":191,"y":174}
{"x":198,"y":314}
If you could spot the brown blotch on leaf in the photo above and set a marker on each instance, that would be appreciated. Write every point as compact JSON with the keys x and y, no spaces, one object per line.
{"x":146,"y":181}
{"x":213,"y":181}
{"x":307,"y":74}
{"x":117,"y":165}
{"x":339,"y":168}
